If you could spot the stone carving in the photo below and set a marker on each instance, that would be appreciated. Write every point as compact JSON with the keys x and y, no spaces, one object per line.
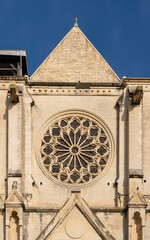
{"x":14,"y":227}
{"x":14,"y":93}
{"x":75,"y":148}
{"x":14,"y":185}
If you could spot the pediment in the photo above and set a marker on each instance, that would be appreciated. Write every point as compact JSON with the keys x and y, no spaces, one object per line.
{"x":137,"y":199}
{"x":14,"y":198}
{"x":75,"y":226}
{"x":75,"y":221}
{"x":75,"y":59}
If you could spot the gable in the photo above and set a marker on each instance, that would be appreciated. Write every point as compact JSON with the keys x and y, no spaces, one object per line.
{"x":75,"y":220}
{"x":75,"y":226}
{"x":75,"y":60}
{"x":14,"y":198}
{"x":137,"y":199}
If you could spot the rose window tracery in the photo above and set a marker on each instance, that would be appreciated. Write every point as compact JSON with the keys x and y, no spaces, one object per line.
{"x":75,"y":149}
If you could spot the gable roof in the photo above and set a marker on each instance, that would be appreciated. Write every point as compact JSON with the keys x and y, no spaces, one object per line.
{"x":14,"y":198}
{"x":75,"y":59}
{"x":137,"y":199}
{"x":75,"y":200}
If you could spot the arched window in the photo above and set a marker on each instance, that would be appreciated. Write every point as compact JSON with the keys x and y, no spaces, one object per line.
{"x":14,"y":227}
{"x":137,"y":227}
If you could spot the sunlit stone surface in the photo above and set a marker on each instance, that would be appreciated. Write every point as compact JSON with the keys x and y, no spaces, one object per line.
{"x":74,"y":144}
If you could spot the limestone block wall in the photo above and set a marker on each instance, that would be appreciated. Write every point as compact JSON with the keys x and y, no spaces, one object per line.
{"x":146,"y":142}
{"x":35,"y":221}
{"x":3,"y":139}
{"x":110,"y":219}
{"x":120,"y":198}
{"x":104,"y":107}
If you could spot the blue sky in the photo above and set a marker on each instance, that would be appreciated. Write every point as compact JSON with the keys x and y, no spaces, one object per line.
{"x":119,"y":29}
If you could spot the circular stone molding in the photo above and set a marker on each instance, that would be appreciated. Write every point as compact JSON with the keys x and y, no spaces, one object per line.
{"x":74,"y":147}
{"x":75,"y":228}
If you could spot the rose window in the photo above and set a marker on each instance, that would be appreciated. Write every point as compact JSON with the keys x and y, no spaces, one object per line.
{"x":75,"y":148}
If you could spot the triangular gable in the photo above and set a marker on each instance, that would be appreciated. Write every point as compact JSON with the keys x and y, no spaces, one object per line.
{"x":75,"y":226}
{"x":75,"y":59}
{"x":14,"y":198}
{"x":137,"y":199}
{"x":75,"y":201}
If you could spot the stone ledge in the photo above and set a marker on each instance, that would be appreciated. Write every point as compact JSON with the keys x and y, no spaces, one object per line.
{"x":14,"y":175}
{"x":13,"y":78}
{"x":100,"y":209}
{"x":135,"y":173}
{"x":77,"y":84}
{"x":108,"y":209}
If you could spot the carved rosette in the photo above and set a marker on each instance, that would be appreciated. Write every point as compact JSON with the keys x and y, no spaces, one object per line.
{"x":75,"y":147}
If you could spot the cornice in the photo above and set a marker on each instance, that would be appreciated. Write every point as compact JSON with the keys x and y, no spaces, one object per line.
{"x":135,"y":81}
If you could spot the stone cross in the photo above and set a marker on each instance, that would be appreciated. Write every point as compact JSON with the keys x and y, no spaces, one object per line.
{"x":76,"y":22}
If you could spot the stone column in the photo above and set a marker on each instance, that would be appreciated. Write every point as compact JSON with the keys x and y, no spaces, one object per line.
{"x":122,"y":163}
{"x":135,"y":147}
{"x":20,"y":230}
{"x":15,"y":141}
{"x":146,"y":141}
{"x":27,"y":180}
{"x":137,"y":203}
{"x":3,"y":142}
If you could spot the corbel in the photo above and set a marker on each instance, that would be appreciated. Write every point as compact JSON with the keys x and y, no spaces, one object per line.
{"x":14,"y":93}
{"x":136,"y":95}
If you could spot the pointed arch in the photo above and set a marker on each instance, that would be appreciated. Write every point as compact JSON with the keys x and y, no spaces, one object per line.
{"x":14,"y":226}
{"x":137,"y":233}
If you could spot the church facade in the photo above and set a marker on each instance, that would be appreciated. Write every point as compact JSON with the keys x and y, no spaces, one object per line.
{"x":74,"y":142}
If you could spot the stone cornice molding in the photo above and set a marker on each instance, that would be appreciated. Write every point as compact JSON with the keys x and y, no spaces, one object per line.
{"x":135,"y":81}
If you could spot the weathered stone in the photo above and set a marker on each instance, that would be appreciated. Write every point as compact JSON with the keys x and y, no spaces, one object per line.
{"x":75,"y":159}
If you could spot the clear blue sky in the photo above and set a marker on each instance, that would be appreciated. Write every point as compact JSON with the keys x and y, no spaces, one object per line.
{"x":119,"y":29}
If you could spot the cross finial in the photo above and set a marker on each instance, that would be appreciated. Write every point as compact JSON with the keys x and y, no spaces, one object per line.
{"x":76,"y":22}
